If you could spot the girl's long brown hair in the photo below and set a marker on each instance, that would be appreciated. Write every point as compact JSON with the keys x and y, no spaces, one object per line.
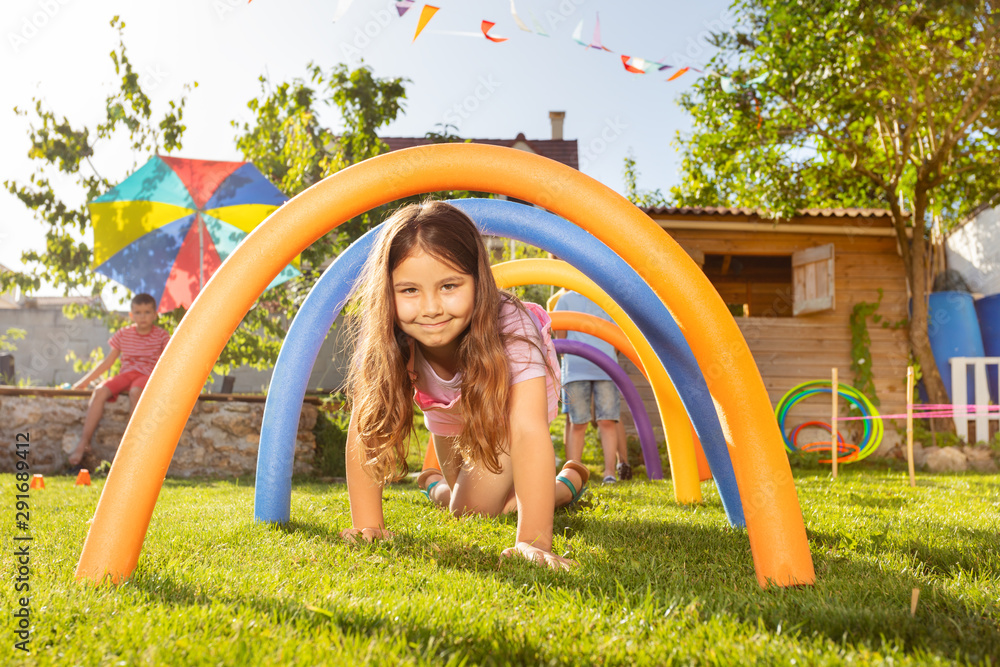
{"x":379,"y":387}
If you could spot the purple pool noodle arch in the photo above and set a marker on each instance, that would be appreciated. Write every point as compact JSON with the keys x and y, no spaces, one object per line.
{"x":647,"y":440}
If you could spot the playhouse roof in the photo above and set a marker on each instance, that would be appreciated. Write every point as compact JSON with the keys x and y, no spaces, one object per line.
{"x":753,"y":214}
{"x":856,"y":221}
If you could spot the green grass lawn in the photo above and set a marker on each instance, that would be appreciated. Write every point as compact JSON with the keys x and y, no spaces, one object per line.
{"x":657,"y":583}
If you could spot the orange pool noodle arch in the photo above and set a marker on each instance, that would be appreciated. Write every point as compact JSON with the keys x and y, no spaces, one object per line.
{"x":770,"y":504}
{"x":563,"y":320}
{"x":567,"y":320}
{"x":677,"y":429}
{"x":591,"y":324}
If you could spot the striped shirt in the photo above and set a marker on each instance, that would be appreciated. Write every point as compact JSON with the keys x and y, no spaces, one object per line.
{"x":138,"y":352}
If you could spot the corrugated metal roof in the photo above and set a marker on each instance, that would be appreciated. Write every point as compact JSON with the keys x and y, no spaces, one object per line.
{"x":749,"y":212}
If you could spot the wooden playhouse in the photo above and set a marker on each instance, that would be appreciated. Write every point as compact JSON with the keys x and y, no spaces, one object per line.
{"x":791,"y":287}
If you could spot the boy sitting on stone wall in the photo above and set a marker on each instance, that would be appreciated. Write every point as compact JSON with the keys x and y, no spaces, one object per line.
{"x":139,"y":345}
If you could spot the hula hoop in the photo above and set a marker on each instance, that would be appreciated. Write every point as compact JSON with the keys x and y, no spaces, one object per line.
{"x":825,"y":444}
{"x":868,"y":429}
{"x":842,"y":445}
{"x":829,"y":429}
{"x":874,"y":428}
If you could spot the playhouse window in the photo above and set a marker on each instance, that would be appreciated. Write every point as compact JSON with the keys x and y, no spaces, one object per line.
{"x":813,"y":280}
{"x":752,"y":285}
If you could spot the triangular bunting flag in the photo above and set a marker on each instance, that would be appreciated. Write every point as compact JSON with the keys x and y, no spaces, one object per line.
{"x":342,"y":7}
{"x":538,"y":26}
{"x":486,"y":27}
{"x":630,"y":68}
{"x":596,"y":44}
{"x":679,"y":73}
{"x":517,"y":19}
{"x":426,"y":14}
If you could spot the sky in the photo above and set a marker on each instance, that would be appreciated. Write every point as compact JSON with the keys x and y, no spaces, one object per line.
{"x":58,"y":51}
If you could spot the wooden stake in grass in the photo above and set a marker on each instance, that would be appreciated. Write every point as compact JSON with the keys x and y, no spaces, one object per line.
{"x":909,"y":427}
{"x":834,"y":449}
{"x":913,"y":601}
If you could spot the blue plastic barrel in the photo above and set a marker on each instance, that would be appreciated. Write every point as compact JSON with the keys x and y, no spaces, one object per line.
{"x":953,"y":328}
{"x":988,"y":309}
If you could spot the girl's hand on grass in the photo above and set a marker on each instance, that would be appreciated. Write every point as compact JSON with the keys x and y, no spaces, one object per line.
{"x":538,"y":556}
{"x":367,"y":534}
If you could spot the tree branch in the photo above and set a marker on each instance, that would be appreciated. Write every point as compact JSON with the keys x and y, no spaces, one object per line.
{"x":848,"y":149}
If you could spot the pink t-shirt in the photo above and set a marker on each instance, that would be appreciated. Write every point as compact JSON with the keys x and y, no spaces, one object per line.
{"x":440,"y":399}
{"x":138,"y":352}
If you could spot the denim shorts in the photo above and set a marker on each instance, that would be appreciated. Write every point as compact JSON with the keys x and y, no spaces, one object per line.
{"x":607,"y":401}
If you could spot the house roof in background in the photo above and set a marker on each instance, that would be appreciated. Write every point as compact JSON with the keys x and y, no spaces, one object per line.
{"x":560,"y":150}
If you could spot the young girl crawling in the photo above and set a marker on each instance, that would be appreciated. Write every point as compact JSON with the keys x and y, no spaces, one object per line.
{"x":431,"y":326}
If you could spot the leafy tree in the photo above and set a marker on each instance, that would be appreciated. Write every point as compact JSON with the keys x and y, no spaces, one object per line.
{"x":7,"y":344}
{"x":8,"y":337}
{"x":506,"y":250}
{"x":285,"y":140}
{"x":58,"y":146}
{"x":644,"y":198}
{"x":288,"y":142}
{"x":849,"y":103}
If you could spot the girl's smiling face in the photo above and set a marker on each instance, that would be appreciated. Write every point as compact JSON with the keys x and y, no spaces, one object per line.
{"x":434,"y":301}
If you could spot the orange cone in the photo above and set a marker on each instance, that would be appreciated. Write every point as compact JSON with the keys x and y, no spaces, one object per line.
{"x":83,"y":477}
{"x":37,"y":482}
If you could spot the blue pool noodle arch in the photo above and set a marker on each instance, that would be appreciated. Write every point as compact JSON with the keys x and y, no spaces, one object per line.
{"x":272,"y":498}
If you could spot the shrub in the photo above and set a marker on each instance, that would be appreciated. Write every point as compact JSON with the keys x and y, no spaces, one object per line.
{"x":331,"y":441}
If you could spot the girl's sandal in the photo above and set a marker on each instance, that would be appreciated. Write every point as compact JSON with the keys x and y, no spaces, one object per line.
{"x":422,"y":478}
{"x":584,"y":474}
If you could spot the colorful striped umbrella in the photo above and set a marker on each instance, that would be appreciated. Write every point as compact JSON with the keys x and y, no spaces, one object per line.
{"x":169,"y":226}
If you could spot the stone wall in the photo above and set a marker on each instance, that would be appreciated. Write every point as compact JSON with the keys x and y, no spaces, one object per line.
{"x":219,"y":440}
{"x":977,"y":458}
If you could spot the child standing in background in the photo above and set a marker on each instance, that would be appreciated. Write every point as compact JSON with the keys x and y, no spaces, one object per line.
{"x":431,"y":326}
{"x":140,"y":345}
{"x":584,"y":385}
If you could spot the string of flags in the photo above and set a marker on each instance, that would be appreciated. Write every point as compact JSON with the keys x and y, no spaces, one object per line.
{"x":632,"y":64}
